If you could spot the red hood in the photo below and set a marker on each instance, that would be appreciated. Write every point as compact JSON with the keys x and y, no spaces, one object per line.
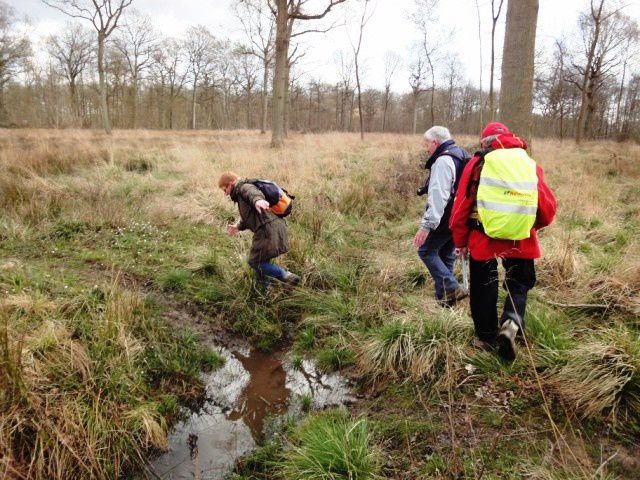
{"x":507,"y":140}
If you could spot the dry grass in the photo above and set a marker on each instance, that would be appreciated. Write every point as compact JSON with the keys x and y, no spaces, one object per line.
{"x":602,"y":375}
{"x":60,"y":399}
{"x":354,"y":218}
{"x":430,"y":349}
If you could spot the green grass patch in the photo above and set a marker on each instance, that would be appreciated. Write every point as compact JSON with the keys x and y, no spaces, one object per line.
{"x":330,"y":446}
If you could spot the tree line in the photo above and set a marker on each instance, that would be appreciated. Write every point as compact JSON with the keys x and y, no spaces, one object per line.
{"x":110,"y":66}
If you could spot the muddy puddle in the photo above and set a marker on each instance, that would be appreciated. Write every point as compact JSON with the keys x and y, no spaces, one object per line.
{"x":244,"y":397}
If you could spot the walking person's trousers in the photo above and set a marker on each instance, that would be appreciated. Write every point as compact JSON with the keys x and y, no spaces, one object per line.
{"x":520,"y":278}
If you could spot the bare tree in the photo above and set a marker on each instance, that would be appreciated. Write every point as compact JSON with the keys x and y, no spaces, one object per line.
{"x":171,"y":68}
{"x":494,"y":21}
{"x":248,"y":78}
{"x":259,"y":26}
{"x":424,"y":18}
{"x":136,"y":41}
{"x":345,"y":90}
{"x":104,"y":16}
{"x":14,"y":49}
{"x":370,"y":103}
{"x":115,"y":68}
{"x":480,"y":58}
{"x":292,"y":58}
{"x":453,"y":79}
{"x":73,"y":50}
{"x":286,"y":13}
{"x":600,"y":39}
{"x":416,"y":81}
{"x":199,"y":47}
{"x":356,"y":59}
{"x":225,"y":68}
{"x":629,"y":51}
{"x":516,"y":93}
{"x":391,"y":63}
{"x":561,"y":54}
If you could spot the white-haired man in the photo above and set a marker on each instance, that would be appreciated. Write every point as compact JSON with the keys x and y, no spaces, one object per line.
{"x":433,"y":239}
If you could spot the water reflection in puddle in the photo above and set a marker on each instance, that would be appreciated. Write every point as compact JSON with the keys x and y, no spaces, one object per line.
{"x":240,"y":395}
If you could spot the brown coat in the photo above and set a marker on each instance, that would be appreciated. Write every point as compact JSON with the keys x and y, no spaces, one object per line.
{"x":269,"y":230}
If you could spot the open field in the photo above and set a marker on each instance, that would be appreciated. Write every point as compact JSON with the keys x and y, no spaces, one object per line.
{"x":110,"y":247}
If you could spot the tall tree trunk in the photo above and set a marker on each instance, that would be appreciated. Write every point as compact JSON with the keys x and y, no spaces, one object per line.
{"x":103,"y":85}
{"x":620,"y":93}
{"x":352,"y":100}
{"x":134,"y":103}
{"x":415,"y":114}
{"x":494,"y":21}
{"x":73,"y":92}
{"x":309,"y":110}
{"x":287,"y":102}
{"x":193,"y":103}
{"x":279,"y":76}
{"x":491,"y":69}
{"x":585,"y":100}
{"x":386,"y":106}
{"x":361,"y":119}
{"x":516,"y":93}
{"x":263,"y":98}
{"x":248,"y":109}
{"x":171,"y":96}
{"x":481,"y":101}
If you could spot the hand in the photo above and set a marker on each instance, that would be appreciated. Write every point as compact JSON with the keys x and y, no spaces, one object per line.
{"x":261,"y":205}
{"x":232,"y":229}
{"x":462,"y":251}
{"x":420,"y":237}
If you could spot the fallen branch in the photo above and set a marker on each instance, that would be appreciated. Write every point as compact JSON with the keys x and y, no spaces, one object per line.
{"x":582,"y":306}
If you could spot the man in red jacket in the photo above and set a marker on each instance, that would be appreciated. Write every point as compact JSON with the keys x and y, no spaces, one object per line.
{"x":517,"y":256}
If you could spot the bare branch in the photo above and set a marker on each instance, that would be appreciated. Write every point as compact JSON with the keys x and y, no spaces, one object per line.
{"x":296,"y":13}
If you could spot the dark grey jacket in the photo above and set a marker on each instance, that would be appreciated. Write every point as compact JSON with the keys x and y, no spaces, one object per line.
{"x":269,"y":230}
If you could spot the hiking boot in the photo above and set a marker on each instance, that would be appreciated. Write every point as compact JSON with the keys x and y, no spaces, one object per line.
{"x":291,"y":279}
{"x":482,"y":344}
{"x":453,"y":296}
{"x":506,"y":340}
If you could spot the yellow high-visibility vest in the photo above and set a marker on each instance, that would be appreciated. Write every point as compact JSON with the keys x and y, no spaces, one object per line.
{"x":507,"y":196}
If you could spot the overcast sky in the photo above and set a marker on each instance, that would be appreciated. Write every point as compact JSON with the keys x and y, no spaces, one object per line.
{"x":388,"y":30}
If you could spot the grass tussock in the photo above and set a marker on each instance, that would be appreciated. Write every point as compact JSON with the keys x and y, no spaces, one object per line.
{"x":602,"y":375}
{"x":330,"y":446}
{"x":430,"y":349}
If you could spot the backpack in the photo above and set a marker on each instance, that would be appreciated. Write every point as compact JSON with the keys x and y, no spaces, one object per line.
{"x":507,"y":194}
{"x":460,"y":159}
{"x":280,"y":201}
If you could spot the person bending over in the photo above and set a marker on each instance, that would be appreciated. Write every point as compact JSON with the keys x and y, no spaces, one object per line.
{"x":269,"y":230}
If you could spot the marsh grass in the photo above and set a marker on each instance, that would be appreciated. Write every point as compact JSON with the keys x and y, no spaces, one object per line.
{"x":602,"y":375}
{"x":83,"y":362}
{"x":330,"y":446}
{"x":75,"y":396}
{"x":430,"y":349}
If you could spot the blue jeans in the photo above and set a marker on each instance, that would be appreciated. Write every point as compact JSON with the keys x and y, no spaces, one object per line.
{"x":438,"y":254}
{"x":264,"y":270}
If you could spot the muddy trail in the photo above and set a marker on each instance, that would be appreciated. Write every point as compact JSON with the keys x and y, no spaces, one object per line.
{"x":244,"y":400}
